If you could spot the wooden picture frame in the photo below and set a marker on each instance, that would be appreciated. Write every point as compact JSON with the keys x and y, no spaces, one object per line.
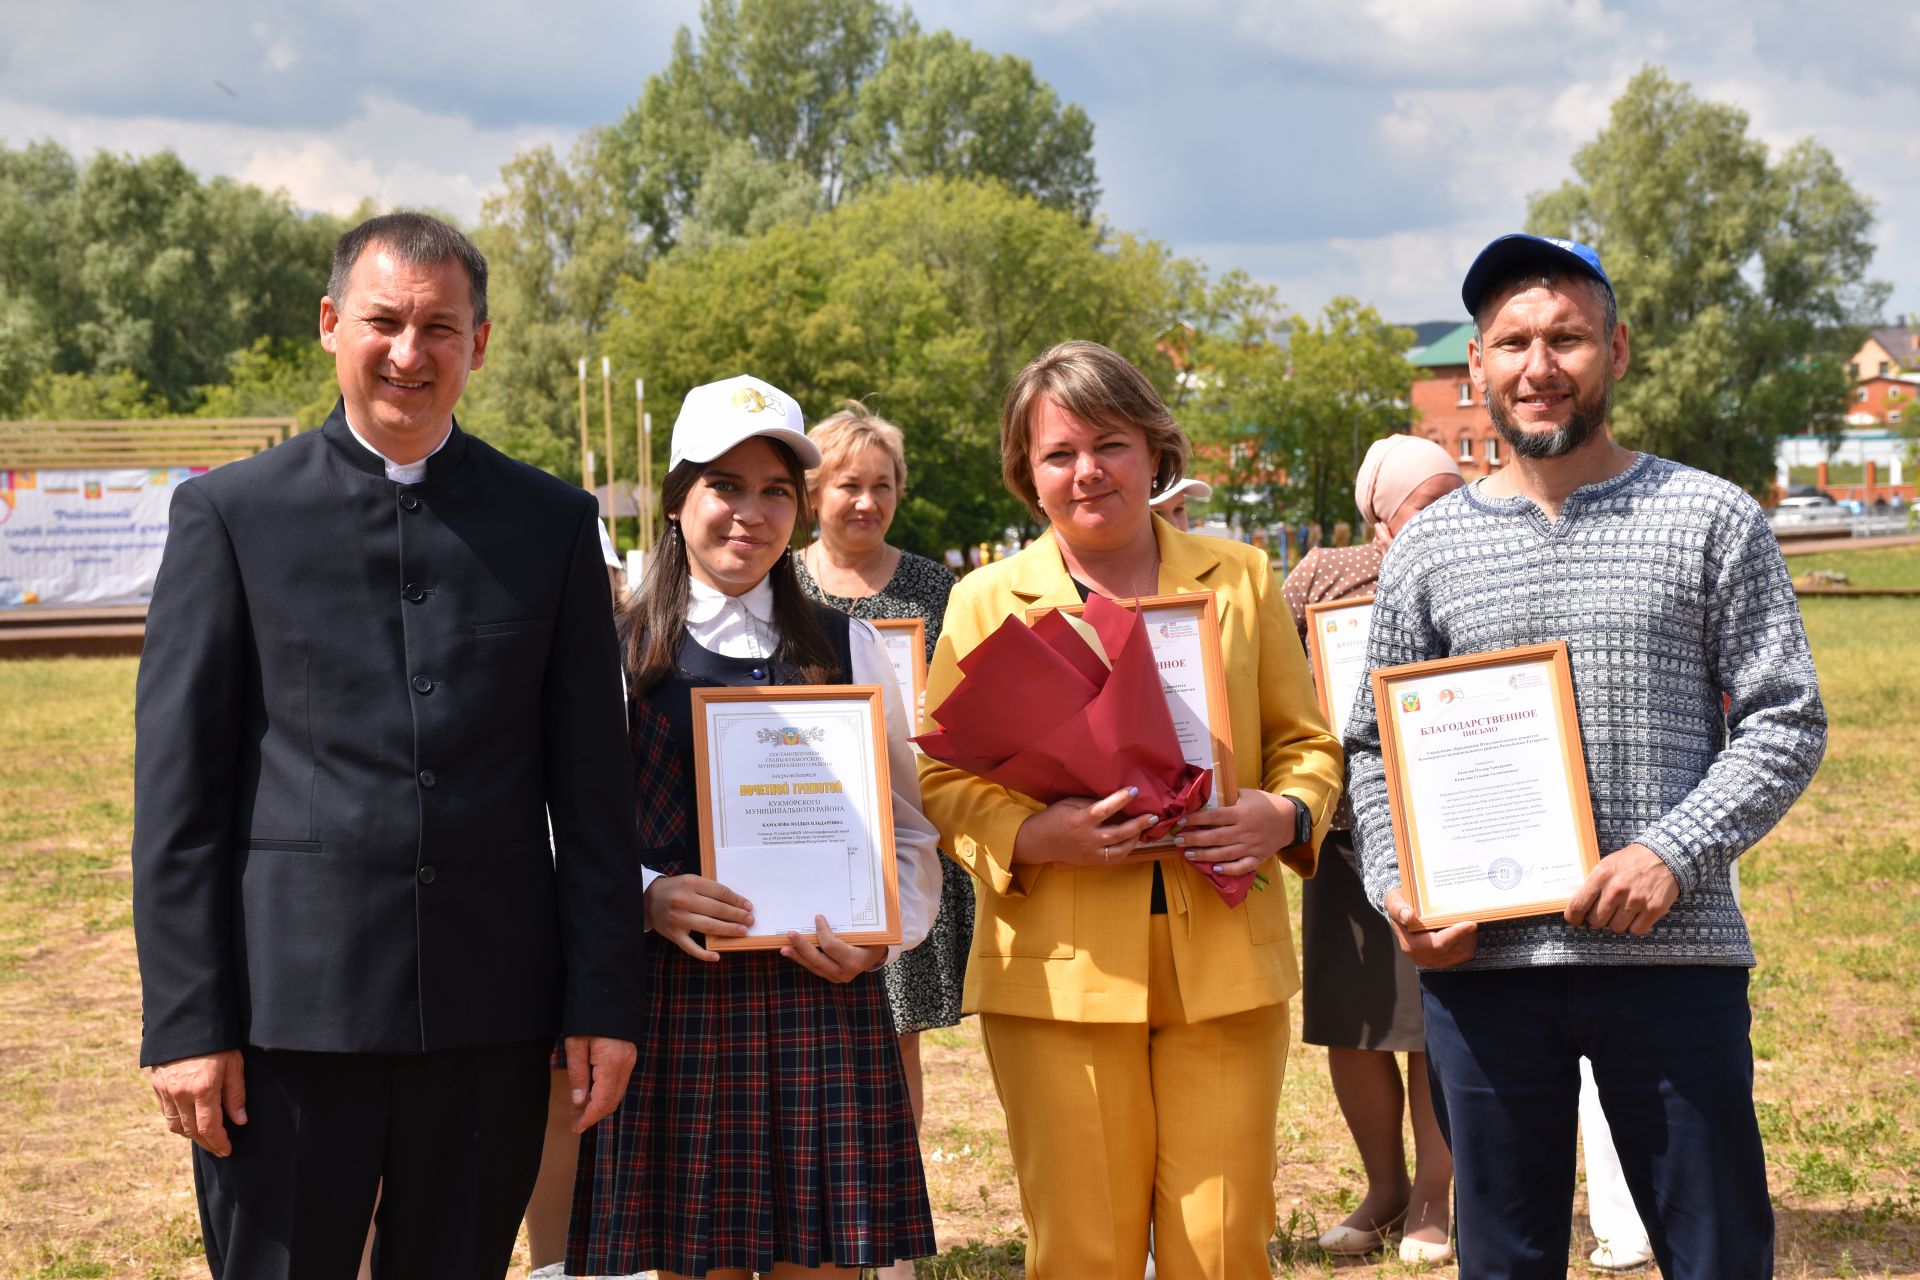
{"x":1495,"y":811}
{"x":1203,"y":610}
{"x":1332,"y":660}
{"x":775,"y":763}
{"x":910,"y":634}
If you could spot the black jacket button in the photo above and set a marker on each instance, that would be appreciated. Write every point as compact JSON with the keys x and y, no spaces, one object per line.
{"x":422,"y":685}
{"x":415,"y":592}
{"x":409,"y":499}
{"x":426,"y":875}
{"x":426,"y":778}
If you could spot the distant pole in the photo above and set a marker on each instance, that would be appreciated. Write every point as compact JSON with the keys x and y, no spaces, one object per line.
{"x":606,"y":422}
{"x":643,"y":504}
{"x":646,"y":462}
{"x":586,"y":459}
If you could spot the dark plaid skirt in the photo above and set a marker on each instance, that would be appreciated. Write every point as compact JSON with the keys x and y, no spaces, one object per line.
{"x":767,"y":1121}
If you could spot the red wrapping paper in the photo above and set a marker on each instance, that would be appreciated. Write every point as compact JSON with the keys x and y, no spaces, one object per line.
{"x":1039,"y":712}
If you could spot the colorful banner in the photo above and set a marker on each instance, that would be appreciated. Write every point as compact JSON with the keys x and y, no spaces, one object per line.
{"x":76,"y":538}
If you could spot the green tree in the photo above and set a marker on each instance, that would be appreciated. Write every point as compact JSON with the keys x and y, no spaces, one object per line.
{"x":275,"y":378}
{"x":782,"y":76}
{"x":922,"y":299}
{"x":136,"y":264}
{"x":55,"y":397}
{"x":37,"y":185}
{"x":1286,"y":407}
{"x":1742,"y":276}
{"x":845,"y":95}
{"x":558,"y":241}
{"x":940,"y":106}
{"x":774,"y":111}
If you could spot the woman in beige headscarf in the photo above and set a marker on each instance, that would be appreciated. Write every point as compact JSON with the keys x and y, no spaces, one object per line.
{"x":1360,"y":997}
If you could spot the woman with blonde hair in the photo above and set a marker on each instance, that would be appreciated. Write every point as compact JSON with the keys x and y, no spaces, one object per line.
{"x":1136,"y":1025}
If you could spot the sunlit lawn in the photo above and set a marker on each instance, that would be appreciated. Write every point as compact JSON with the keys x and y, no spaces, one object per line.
{"x":91,"y":1185}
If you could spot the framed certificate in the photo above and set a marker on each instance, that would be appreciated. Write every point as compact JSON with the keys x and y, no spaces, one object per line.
{"x":796,"y":809}
{"x":905,"y":640}
{"x":1487,"y":783}
{"x":1184,"y":632}
{"x":1337,"y":647}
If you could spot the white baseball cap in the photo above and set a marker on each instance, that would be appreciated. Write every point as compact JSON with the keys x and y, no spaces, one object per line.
{"x":1198,"y":490}
{"x":719,"y":415}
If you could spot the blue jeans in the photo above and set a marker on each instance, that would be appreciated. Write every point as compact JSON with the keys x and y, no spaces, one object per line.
{"x":1675,"y":1072}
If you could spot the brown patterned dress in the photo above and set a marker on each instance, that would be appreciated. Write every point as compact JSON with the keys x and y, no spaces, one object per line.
{"x":924,"y":984}
{"x":1357,"y":990}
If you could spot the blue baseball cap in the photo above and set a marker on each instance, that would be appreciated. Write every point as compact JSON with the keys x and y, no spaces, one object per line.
{"x":1510,"y":251}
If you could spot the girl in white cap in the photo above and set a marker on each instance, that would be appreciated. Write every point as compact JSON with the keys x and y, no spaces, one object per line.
{"x":767,"y":1126}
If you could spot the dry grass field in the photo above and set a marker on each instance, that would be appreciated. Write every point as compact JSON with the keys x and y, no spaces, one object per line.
{"x":91,"y":1184}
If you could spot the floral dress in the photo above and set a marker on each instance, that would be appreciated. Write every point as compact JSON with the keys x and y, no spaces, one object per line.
{"x":924,"y":984}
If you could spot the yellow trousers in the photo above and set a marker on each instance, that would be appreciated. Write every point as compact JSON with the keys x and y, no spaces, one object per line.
{"x":1115,"y":1126}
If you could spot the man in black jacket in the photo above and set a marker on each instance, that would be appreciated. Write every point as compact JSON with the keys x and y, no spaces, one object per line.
{"x":380,"y":661}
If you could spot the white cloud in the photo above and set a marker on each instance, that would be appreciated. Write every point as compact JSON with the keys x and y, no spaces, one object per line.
{"x":1437,"y":39}
{"x":1365,"y":148}
{"x":1407,"y":276}
{"x":390,"y":151}
{"x":279,"y":52}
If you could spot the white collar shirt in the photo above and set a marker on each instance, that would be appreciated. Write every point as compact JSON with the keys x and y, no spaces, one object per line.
{"x":733,"y":626}
{"x":403,"y":472}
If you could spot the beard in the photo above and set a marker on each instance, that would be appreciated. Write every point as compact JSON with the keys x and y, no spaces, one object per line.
{"x":1588,"y":416}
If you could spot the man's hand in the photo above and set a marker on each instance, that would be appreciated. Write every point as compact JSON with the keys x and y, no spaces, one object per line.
{"x":1435,"y":949}
{"x":676,"y":907}
{"x":195,"y":1092}
{"x":597,"y":1069}
{"x":826,"y":956}
{"x":1628,"y":892}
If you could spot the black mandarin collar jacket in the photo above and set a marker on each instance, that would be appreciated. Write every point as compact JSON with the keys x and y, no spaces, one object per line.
{"x":359,"y":702}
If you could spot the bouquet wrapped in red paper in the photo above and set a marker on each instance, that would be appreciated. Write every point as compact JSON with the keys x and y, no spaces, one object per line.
{"x":1042,"y":711}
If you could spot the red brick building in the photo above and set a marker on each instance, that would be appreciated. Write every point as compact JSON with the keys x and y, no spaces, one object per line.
{"x":1887,"y":400}
{"x":1449,"y":410}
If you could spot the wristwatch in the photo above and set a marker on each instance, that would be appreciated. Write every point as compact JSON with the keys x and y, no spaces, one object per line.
{"x":1302,"y":824}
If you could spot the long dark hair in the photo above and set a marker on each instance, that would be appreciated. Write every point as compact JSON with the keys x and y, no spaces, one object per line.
{"x":654,"y":619}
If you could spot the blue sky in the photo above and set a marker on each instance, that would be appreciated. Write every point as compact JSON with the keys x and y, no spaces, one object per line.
{"x":1366,"y":148}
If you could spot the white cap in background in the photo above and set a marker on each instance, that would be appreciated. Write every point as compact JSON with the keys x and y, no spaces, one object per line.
{"x":1198,"y":490}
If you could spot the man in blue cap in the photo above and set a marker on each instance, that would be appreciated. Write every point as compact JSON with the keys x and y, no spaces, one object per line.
{"x":1701,"y":721}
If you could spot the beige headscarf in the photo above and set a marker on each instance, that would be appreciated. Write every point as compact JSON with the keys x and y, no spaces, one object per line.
{"x":1393,"y":468}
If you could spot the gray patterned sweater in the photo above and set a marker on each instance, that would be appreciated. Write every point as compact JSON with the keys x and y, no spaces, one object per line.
{"x":1669,"y":590}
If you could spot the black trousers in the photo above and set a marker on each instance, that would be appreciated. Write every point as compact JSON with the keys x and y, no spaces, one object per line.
{"x":450,"y":1141}
{"x":1675,"y":1072}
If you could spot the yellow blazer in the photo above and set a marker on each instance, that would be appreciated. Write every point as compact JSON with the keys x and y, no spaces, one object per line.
{"x":1052,"y":941}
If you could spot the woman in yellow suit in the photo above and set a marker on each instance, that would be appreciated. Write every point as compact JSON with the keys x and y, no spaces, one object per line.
{"x":1136,"y":1026}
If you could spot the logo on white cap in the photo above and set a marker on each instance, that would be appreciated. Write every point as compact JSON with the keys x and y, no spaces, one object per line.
{"x":754,"y":400}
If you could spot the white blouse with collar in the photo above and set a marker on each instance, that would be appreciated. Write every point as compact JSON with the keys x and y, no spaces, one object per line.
{"x":742,"y":627}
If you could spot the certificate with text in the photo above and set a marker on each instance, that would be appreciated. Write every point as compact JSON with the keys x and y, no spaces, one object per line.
{"x":1184,"y":633}
{"x":1337,"y":647}
{"x":905,"y":640}
{"x":1487,"y":783}
{"x":796,"y":809}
